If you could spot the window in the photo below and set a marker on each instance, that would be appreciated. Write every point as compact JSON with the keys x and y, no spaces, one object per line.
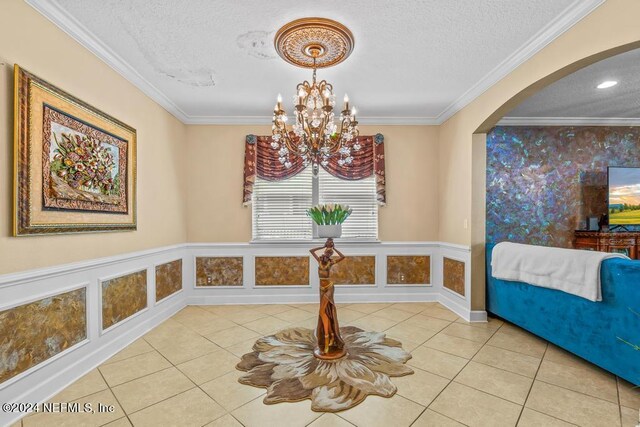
{"x":279,"y":207}
{"x":360,"y":195}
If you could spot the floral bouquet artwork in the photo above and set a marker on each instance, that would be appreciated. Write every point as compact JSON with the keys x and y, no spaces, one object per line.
{"x":75,"y":166}
{"x":86,"y":165}
{"x":329,"y":218}
{"x":85,"y":168}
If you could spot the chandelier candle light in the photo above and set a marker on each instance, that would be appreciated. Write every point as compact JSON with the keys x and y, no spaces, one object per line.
{"x":315,"y":137}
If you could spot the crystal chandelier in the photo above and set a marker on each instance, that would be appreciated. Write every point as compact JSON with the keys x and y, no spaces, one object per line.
{"x":315,"y":136}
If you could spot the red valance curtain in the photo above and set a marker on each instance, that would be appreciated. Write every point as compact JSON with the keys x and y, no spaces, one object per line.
{"x":261,"y":160}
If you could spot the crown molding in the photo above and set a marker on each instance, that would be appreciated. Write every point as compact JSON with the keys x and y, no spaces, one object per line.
{"x":51,"y":10}
{"x":569,"y":121}
{"x":398,"y":121}
{"x":56,"y":14}
{"x":228,"y":120}
{"x":575,"y":13}
{"x":267,"y":120}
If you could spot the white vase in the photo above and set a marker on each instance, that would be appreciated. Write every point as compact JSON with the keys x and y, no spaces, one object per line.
{"x":330,"y":231}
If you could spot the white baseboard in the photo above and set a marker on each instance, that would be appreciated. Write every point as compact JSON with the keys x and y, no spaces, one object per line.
{"x":478,"y":316}
{"x":294,"y":298}
{"x":452,"y":304}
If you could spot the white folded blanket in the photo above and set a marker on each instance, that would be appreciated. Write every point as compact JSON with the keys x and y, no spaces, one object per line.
{"x":573,"y":271}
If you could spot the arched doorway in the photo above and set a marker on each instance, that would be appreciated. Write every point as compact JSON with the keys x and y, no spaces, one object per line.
{"x":478,"y":161}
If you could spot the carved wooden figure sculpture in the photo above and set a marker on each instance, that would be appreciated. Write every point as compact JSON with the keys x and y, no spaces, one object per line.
{"x":330,"y":344}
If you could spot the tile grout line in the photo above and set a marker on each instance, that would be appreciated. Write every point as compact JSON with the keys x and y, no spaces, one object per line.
{"x":177,"y":394}
{"x":450,"y":381}
{"x":619,"y":402}
{"x":337,"y":414}
{"x":213,"y":379}
{"x":577,"y":392}
{"x":532,"y":383}
{"x":106,"y":362}
{"x":552,"y":416}
{"x":446,"y":416}
{"x":162,"y":400}
{"x":502,"y":369}
{"x":115,"y":397}
{"x":562,"y":387}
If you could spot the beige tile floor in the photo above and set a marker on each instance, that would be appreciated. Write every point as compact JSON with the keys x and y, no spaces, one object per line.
{"x":182,"y":373}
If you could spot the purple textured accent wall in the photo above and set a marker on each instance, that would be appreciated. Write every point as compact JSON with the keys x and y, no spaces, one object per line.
{"x":542,"y":182}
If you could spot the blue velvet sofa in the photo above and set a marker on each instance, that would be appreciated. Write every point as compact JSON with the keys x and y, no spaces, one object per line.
{"x":587,"y":329}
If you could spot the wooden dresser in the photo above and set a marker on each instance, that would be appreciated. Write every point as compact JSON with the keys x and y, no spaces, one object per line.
{"x":627,"y":243}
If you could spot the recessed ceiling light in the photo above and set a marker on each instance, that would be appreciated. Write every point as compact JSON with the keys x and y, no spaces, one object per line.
{"x":607,"y":84}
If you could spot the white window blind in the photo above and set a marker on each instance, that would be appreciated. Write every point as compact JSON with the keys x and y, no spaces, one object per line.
{"x":279,"y":208}
{"x":360,"y":196}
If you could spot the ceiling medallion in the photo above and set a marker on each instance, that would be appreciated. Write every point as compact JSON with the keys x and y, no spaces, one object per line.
{"x":314,"y":136}
{"x":302,"y":40}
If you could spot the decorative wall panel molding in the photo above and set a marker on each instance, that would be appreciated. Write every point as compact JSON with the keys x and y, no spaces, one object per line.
{"x":40,"y":382}
{"x":123,"y":297}
{"x":355,"y":270}
{"x":453,"y":276}
{"x":55,"y":314}
{"x":282,"y":271}
{"x":408,"y":270}
{"x":34,"y":332}
{"x":168,"y":279}
{"x":219,"y":271}
{"x":424,"y":260}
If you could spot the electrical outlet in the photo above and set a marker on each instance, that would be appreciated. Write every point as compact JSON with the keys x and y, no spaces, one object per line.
{"x":465,"y":223}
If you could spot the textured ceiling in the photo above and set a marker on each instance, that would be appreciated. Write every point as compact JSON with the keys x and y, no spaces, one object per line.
{"x":576,"y":95}
{"x":416,"y":59}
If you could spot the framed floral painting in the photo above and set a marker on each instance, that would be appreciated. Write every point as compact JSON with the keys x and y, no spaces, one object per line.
{"x":75,"y":166}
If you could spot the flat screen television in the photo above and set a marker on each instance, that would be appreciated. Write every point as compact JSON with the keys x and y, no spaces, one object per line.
{"x":624,"y":196}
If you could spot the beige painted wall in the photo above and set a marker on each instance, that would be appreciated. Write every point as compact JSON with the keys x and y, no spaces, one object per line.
{"x":613,"y":24}
{"x":215,"y":162}
{"x":30,"y":40}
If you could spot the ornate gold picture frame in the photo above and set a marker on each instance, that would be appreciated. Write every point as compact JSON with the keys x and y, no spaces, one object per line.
{"x":74,"y":165}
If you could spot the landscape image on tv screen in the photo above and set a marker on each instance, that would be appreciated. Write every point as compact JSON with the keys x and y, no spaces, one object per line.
{"x":624,"y":196}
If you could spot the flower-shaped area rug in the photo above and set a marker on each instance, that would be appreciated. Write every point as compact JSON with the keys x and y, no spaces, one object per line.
{"x":284,"y":364}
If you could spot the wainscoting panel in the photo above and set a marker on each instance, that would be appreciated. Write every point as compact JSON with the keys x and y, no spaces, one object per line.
{"x":34,"y":332}
{"x":453,"y":275}
{"x":355,"y":270}
{"x":168,"y":279}
{"x":56,"y":314}
{"x":282,"y":271}
{"x":362,"y":278}
{"x":123,"y":297}
{"x":25,"y":296}
{"x":456,"y":260}
{"x":403,"y":270}
{"x":219,"y":271}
